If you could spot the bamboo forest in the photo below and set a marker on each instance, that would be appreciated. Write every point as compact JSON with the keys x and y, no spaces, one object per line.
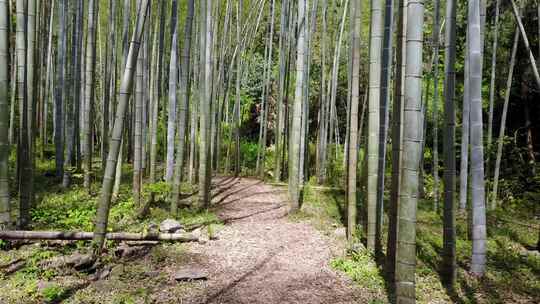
{"x":269,"y":151}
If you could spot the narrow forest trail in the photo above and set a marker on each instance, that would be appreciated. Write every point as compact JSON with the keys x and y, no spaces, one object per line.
{"x":261,"y":256}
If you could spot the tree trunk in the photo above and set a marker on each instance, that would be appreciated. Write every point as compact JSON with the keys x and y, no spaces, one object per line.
{"x":500,"y":141}
{"x":376,"y":38}
{"x":172,"y":108}
{"x":492,"y":82}
{"x":89,"y":91}
{"x":268,"y":86}
{"x":137,"y":151}
{"x":310,"y":25}
{"x":13,"y":96}
{"x":108,"y":87}
{"x":23,"y":154}
{"x":102,"y":216}
{"x":59,"y":96}
{"x":412,"y":138}
{"x":238,"y":84}
{"x":295,"y":187}
{"x":386,"y":73}
{"x":435,"y":108}
{"x":205,"y":166}
{"x":154,"y":105}
{"x":161,"y":49}
{"x":526,"y":43}
{"x":183,"y":107}
{"x":5,"y":205}
{"x":72,"y":92}
{"x":118,"y":171}
{"x":266,"y":93}
{"x":397,"y":139}
{"x":146,"y":99}
{"x":280,"y":107}
{"x":478,"y":260}
{"x":465,"y":134}
{"x":194,"y":115}
{"x":353,"y":139}
{"x":333,"y":125}
{"x":31,"y":100}
{"x":322,"y":134}
{"x":449,"y":219}
{"x":48,"y":80}
{"x":223,"y":80}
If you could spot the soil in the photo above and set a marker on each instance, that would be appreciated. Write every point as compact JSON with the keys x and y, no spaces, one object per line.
{"x":261,"y":256}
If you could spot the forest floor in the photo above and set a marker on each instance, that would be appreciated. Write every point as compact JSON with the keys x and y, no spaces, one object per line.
{"x":257,"y":252}
{"x":261,"y":256}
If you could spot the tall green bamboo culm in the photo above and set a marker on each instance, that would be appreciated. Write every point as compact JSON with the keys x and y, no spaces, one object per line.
{"x":449,"y":151}
{"x":412,"y":142}
{"x":353,"y":135}
{"x":397,"y":140}
{"x":478,"y":260}
{"x":376,"y":38}
{"x":5,"y":206}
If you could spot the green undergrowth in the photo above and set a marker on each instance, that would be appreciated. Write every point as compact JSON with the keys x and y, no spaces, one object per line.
{"x":141,"y":279}
{"x":362,"y":268}
{"x":323,"y":208}
{"x":75,"y":208}
{"x":513,"y":269}
{"x":132,"y":280}
{"x":513,"y":266}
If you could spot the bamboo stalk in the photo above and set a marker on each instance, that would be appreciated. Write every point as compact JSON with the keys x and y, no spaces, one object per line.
{"x":515,"y":10}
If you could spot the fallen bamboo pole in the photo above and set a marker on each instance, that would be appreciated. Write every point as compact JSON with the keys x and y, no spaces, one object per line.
{"x":118,"y":236}
{"x":323,"y":188}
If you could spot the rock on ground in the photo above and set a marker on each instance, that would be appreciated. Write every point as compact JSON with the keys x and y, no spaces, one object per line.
{"x":170,"y":226}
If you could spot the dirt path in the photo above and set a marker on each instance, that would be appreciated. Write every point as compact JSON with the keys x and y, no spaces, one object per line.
{"x":261,"y":256}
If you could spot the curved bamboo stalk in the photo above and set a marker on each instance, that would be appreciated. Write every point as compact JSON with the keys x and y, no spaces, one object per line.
{"x":492,"y":79}
{"x":102,"y":216}
{"x":500,"y":141}
{"x":526,"y":43}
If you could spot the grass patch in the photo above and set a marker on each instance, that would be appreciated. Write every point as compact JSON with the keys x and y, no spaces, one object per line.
{"x":323,"y":208}
{"x":74,"y":209}
{"x":361,"y":267}
{"x":52,"y":292}
{"x":513,"y":272}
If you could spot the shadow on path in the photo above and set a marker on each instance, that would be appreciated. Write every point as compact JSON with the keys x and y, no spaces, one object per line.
{"x":222,"y":199}
{"x":243,"y":277}
{"x":237,"y":218}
